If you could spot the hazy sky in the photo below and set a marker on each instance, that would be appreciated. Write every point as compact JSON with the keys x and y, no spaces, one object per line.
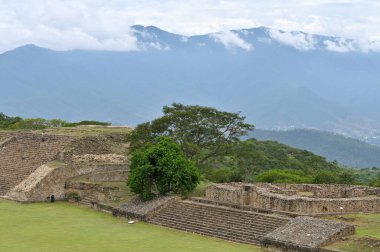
{"x":104,"y":24}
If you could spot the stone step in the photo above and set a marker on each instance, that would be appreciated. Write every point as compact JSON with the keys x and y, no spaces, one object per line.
{"x":89,"y":199}
{"x":193,"y":208}
{"x":212,"y":232}
{"x":221,"y":218}
{"x":216,"y":221}
{"x":236,"y":228}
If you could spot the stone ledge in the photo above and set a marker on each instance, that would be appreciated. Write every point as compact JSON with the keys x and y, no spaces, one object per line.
{"x":308,"y":232}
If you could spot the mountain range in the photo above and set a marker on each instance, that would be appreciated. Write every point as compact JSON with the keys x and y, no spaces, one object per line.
{"x":278,"y":79}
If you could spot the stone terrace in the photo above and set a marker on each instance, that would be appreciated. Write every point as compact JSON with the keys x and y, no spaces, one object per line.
{"x":23,"y":153}
{"x":307,"y":232}
{"x":217,"y":221}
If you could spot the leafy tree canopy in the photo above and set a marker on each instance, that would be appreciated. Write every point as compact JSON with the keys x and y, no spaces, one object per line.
{"x":201,"y":132}
{"x":161,"y":167}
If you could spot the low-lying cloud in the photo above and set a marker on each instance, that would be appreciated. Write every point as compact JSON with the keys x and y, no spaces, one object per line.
{"x":231,"y":40}
{"x":341,"y":45}
{"x":299,"y":40}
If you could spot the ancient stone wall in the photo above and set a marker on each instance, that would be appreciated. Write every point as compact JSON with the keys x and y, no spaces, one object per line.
{"x":34,"y":166}
{"x":22,"y":154}
{"x":229,"y":193}
{"x":302,"y":199}
{"x":109,"y":176}
{"x":45,"y":181}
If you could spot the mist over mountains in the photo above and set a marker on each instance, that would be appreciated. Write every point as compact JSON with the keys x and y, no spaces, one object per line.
{"x":279,"y":80}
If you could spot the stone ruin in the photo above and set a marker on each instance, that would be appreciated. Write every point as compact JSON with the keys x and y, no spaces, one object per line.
{"x":34,"y":165}
{"x":299,"y":199}
{"x":306,"y":233}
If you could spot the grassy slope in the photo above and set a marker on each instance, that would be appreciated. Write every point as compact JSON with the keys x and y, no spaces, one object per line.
{"x":65,"y":227}
{"x":366,"y":225}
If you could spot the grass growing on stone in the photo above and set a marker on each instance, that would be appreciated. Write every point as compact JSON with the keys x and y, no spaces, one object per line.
{"x":65,"y":227}
{"x":366,"y":237}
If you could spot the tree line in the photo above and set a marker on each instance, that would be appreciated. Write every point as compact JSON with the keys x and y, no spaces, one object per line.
{"x":211,"y":141}
{"x":11,"y":123}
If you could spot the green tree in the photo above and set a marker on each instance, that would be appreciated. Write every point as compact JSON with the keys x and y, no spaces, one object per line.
{"x":326,"y":177}
{"x":201,"y":132}
{"x":347,"y":177}
{"x":161,"y":167}
{"x":31,"y":123}
{"x":56,"y":123}
{"x":7,"y":121}
{"x":375,"y":182}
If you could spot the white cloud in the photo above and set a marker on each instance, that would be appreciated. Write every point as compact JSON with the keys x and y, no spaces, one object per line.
{"x":231,"y":40}
{"x":299,"y":40}
{"x":341,"y":45}
{"x":154,"y":45}
{"x":101,"y":24}
{"x":368,"y":46}
{"x":63,"y":25}
{"x":184,"y":39}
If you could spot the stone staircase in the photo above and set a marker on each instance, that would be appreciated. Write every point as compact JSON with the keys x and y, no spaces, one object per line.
{"x":89,"y":199}
{"x":23,"y":154}
{"x":218,"y":221}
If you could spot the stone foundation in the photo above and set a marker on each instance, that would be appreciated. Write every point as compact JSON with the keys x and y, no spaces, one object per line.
{"x":303,"y":199}
{"x":306,"y":233}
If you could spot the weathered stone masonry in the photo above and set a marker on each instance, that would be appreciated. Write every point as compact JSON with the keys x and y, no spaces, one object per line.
{"x":23,"y":153}
{"x":302,"y":199}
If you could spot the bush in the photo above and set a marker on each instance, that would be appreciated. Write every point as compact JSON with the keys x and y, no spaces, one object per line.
{"x":31,"y":123}
{"x":74,"y":124}
{"x":375,"y":182}
{"x":326,"y":177}
{"x":283,"y":176}
{"x":161,"y":167}
{"x":73,"y":196}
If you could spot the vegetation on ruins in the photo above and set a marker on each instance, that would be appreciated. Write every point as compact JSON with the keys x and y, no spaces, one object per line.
{"x":8,"y":122}
{"x":161,"y":167}
{"x":201,"y":132}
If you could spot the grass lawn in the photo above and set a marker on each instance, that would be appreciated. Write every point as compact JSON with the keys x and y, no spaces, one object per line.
{"x":367,"y":232}
{"x":65,"y":227}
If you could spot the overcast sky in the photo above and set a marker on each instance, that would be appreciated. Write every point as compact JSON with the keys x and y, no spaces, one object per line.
{"x":104,"y":24}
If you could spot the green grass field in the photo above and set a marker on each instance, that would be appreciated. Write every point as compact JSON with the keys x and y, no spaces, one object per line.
{"x":65,"y":227}
{"x":367,"y":226}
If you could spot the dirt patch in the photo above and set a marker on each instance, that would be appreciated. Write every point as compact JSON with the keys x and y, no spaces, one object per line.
{"x":369,"y":242}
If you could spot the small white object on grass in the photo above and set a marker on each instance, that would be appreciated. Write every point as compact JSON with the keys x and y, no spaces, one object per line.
{"x":131,"y":222}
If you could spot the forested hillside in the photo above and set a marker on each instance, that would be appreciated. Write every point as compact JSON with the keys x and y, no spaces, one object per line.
{"x":346,"y":151}
{"x":252,"y":160}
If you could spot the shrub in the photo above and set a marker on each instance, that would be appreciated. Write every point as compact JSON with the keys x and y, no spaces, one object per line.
{"x":283,"y":176}
{"x":326,"y":177}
